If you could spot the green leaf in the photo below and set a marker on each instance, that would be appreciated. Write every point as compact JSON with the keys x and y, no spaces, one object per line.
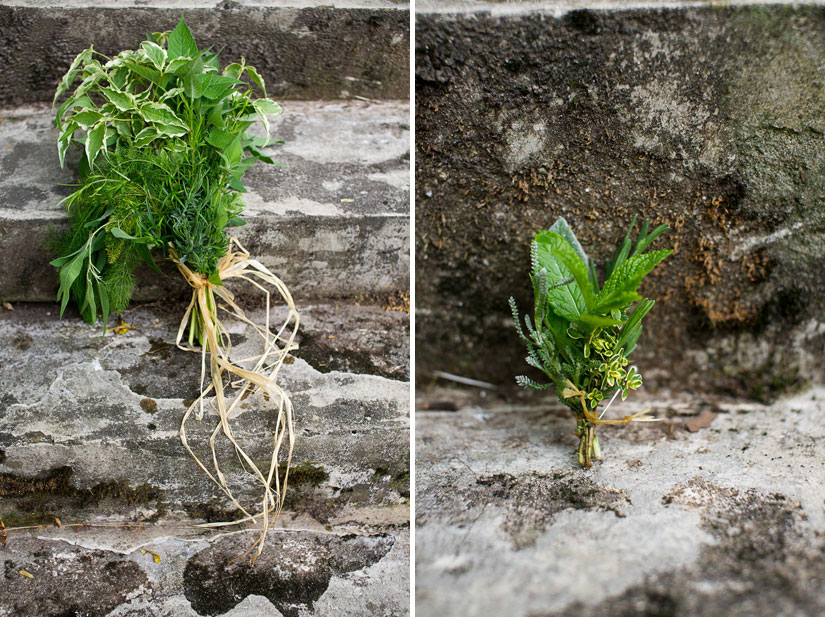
{"x":160,"y":114}
{"x":117,"y":232}
{"x":268,"y":106}
{"x":567,"y":255}
{"x":181,"y":42}
{"x":89,"y":315}
{"x":235,"y":221}
{"x":86,"y":118}
{"x":215,"y":278}
{"x":220,"y":139}
{"x":236,"y":185}
{"x":146,"y":72}
{"x":65,"y":141}
{"x":645,"y":240}
{"x":71,"y":74}
{"x":60,"y":261}
{"x":122,"y":100}
{"x":264,"y":108}
{"x":260,"y":155}
{"x":118,"y":77}
{"x":567,"y":300}
{"x":145,"y":253}
{"x":211,"y":60}
{"x":563,"y":229}
{"x":627,"y":277}
{"x":103,"y":295}
{"x":233,"y":70}
{"x":259,"y":81}
{"x":591,"y":322}
{"x":68,"y":275}
{"x":216,"y":116}
{"x":146,"y":136}
{"x":173,"y":92}
{"x":619,"y":301}
{"x":94,"y":141}
{"x":633,"y":328}
{"x":239,"y":169}
{"x":217,"y":86}
{"x":623,"y":251}
{"x":170,"y":131}
{"x":193,"y":85}
{"x":233,"y":152}
{"x":180,"y":66}
{"x":69,"y":104}
{"x":155,"y":52}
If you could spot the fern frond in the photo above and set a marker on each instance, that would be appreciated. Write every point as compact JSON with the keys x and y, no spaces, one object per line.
{"x":526,"y":382}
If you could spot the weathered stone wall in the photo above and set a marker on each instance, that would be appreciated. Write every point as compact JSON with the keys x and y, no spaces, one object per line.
{"x":707,"y":119}
{"x":303,"y":53}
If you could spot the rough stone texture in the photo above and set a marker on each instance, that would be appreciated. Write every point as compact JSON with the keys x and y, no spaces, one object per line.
{"x":304,"y":53}
{"x":89,"y":435}
{"x":298,"y":222}
{"x":358,"y":568}
{"x":726,"y":520}
{"x":706,"y":119}
{"x":560,"y":7}
{"x":205,"y":4}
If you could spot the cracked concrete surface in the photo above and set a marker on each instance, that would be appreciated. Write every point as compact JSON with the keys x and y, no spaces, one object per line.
{"x":88,"y":437}
{"x":726,"y":520}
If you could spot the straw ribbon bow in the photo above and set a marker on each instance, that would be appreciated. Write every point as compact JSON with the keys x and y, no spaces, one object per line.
{"x":202,"y":314}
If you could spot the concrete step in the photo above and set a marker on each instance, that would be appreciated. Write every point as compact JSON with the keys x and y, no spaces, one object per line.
{"x":88,"y":434}
{"x":558,"y":8}
{"x":707,"y":118}
{"x":718,"y":506}
{"x":333,"y":223}
{"x":304,"y":49}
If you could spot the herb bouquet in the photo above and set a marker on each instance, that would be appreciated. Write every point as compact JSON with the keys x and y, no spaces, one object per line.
{"x":164,"y":135}
{"x":582,"y":335}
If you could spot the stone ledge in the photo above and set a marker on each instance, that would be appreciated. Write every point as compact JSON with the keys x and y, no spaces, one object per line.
{"x":558,"y":8}
{"x":306,"y":571}
{"x":334,"y":222}
{"x":723,"y":519}
{"x":89,"y":424}
{"x":312,"y":52}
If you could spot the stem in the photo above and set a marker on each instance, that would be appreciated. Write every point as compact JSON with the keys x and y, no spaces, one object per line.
{"x":597,"y":449}
{"x":589,"y":447}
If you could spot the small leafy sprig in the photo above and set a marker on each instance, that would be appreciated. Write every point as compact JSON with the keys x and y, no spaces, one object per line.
{"x":165,"y":144}
{"x":582,"y":334}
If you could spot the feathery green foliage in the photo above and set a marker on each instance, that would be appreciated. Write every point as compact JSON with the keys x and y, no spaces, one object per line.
{"x":165,"y":144}
{"x":581,"y":335}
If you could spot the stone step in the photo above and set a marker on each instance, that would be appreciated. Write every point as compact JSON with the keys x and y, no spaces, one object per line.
{"x":304,"y":49}
{"x":558,"y":8}
{"x":706,"y":118}
{"x":334,"y":222}
{"x":72,"y":397}
{"x":89,"y":435}
{"x":111,"y":571}
{"x":719,"y":497}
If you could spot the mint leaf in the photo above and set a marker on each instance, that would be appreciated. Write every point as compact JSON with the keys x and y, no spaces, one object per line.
{"x":181,"y":42}
{"x":563,"y":229}
{"x":560,"y":259}
{"x":627,"y":277}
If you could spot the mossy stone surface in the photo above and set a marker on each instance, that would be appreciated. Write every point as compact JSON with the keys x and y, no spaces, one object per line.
{"x":707,"y":119}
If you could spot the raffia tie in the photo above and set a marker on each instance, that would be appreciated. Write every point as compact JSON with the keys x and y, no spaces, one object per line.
{"x":262,"y":379}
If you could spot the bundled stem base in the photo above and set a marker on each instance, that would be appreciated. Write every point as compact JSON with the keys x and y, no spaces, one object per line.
{"x":262,"y":378}
{"x":587,"y":421}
